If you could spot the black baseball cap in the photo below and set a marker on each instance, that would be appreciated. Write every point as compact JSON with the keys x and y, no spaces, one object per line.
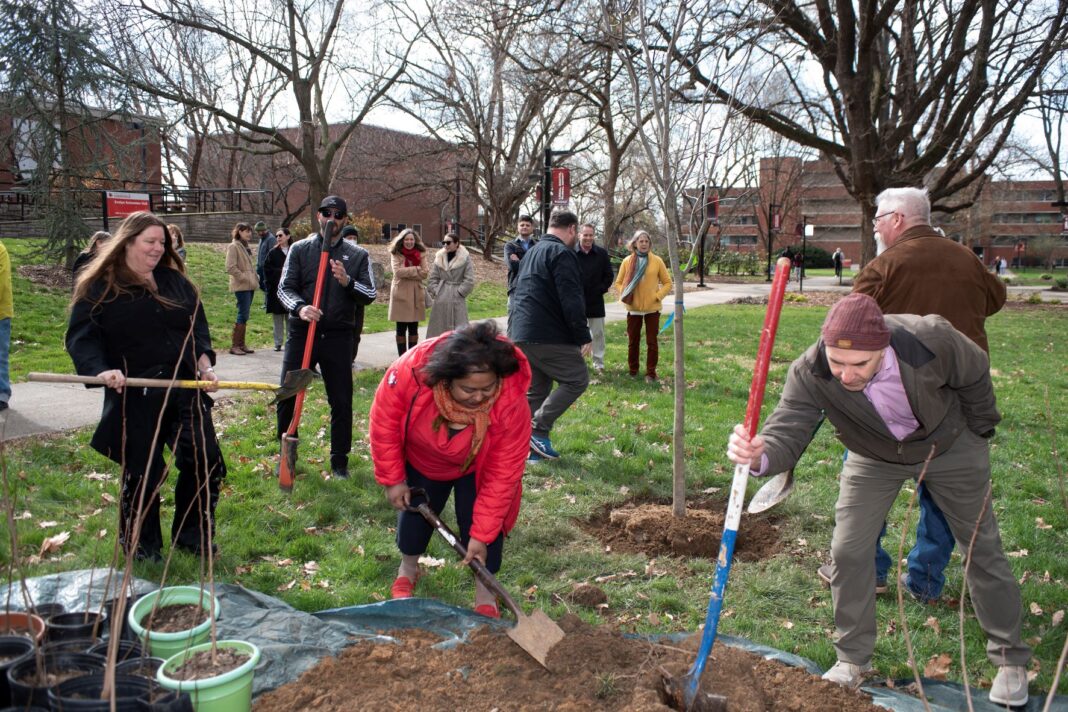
{"x":333,"y":202}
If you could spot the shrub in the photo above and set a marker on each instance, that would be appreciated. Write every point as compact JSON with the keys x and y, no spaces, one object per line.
{"x":1061,"y":284}
{"x":794,"y":297}
{"x":1047,"y":277}
{"x":1007,"y":280}
{"x":1035,"y":298}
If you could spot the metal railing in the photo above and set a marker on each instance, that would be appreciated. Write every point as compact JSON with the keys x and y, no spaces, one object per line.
{"x":24,"y":205}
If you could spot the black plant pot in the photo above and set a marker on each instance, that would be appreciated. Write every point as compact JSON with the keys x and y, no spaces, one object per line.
{"x":168,"y":702}
{"x":109,"y":607}
{"x":145,"y":667}
{"x":128,"y":650}
{"x":25,"y":693}
{"x":80,"y":624}
{"x":70,"y":645}
{"x":13,"y":648}
{"x":47,"y":610}
{"x":25,"y":709}
{"x":82,"y":694}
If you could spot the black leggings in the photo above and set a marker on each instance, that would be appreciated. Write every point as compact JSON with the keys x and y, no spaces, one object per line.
{"x":414,"y":532}
{"x":411,"y":328}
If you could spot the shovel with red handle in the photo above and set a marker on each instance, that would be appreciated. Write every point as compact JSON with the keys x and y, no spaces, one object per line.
{"x":287,"y":467}
{"x":683,"y":693}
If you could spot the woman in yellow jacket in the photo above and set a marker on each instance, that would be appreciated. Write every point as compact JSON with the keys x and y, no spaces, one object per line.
{"x":243,"y":282}
{"x":643,"y":282}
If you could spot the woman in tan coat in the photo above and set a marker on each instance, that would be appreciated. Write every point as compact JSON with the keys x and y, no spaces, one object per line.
{"x":243,"y":283}
{"x":407,"y":296}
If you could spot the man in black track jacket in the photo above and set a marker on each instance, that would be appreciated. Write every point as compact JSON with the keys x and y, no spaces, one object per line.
{"x":349,"y":283}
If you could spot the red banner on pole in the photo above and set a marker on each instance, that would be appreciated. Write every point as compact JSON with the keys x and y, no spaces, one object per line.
{"x":119,"y":205}
{"x":561,"y":186}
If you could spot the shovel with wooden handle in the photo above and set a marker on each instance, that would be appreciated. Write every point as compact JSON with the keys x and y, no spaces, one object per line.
{"x":294,"y":382}
{"x":536,"y":633}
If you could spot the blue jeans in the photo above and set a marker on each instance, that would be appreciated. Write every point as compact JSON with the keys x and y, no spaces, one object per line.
{"x":5,"y":347}
{"x":930,"y":555}
{"x":244,"y":305}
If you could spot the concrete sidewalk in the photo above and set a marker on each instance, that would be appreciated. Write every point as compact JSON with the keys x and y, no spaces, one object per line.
{"x":43,"y":408}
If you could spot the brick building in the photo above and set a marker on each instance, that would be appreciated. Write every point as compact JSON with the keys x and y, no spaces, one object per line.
{"x":402,"y":179}
{"x":1011,"y":219}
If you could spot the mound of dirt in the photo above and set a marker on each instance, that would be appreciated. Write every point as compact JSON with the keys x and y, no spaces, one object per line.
{"x":592,"y":668}
{"x":651,"y":529}
{"x":52,"y":276}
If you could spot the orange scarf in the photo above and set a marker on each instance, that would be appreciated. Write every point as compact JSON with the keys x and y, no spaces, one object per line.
{"x":452,"y":412}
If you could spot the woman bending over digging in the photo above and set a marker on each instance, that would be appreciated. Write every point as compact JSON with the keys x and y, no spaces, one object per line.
{"x":451,"y":416}
{"x":134,"y":313}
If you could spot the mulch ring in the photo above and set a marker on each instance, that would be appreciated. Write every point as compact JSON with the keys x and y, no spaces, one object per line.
{"x":592,"y":668}
{"x":649,"y":527}
{"x":52,"y":276}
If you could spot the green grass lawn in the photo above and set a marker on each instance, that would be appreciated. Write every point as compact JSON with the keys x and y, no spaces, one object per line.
{"x":616,"y":444}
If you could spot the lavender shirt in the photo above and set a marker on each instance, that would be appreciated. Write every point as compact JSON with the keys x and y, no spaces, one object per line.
{"x":886,"y":392}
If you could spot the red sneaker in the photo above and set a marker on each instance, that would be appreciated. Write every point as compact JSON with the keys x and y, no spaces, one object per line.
{"x":489,"y":610}
{"x":402,"y":587}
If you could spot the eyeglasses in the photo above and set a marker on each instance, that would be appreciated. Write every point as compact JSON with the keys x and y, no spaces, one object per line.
{"x":883,"y":215}
{"x":328,"y":213}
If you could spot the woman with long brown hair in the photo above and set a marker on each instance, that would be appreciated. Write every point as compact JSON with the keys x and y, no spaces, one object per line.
{"x":243,"y":283}
{"x":134,"y":313}
{"x":407,"y":294}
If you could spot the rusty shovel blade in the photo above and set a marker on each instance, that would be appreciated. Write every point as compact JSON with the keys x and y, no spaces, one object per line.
{"x":536,"y":634}
{"x":674,"y":692}
{"x":772,"y":492}
{"x":295,"y":381}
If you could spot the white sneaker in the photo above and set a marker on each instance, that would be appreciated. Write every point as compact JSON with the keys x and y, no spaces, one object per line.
{"x":1010,"y":686}
{"x":847,"y":674}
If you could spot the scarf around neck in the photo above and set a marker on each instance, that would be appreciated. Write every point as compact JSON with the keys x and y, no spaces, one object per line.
{"x":635,"y":272}
{"x":412,"y":257}
{"x":451,"y":411}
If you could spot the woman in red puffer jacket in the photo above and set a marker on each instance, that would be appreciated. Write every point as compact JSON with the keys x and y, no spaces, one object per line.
{"x":451,"y":417}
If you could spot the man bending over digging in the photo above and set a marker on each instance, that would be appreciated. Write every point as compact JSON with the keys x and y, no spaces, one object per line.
{"x":904,"y":393}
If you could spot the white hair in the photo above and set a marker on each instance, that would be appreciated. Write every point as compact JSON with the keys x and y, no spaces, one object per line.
{"x":909,"y":202}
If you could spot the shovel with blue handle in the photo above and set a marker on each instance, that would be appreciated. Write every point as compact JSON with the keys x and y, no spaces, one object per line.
{"x":684,"y":693}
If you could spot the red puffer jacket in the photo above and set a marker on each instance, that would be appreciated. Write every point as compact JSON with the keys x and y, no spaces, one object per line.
{"x":499,"y":465}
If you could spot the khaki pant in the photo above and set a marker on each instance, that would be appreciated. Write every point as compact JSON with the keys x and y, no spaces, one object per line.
{"x":958,"y":481}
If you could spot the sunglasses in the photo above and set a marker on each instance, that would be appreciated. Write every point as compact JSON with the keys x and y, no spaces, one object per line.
{"x":447,"y":242}
{"x":328,"y":213}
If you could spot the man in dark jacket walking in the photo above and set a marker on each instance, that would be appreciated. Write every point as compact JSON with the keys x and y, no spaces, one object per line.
{"x":514,"y":250}
{"x":350,"y":283}
{"x":910,"y":397}
{"x":547,"y":320}
{"x":597,"y":278}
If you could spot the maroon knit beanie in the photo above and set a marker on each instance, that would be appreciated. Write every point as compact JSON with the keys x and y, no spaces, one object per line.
{"x":856,"y":323}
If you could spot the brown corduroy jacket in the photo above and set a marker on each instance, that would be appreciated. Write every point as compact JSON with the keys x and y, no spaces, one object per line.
{"x":926,"y":273}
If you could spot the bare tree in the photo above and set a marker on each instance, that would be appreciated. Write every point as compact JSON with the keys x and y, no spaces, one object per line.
{"x":909,"y":93}
{"x":274,"y":60}
{"x":471,"y":90}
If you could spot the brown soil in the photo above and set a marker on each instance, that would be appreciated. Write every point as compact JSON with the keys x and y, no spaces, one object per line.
{"x":650,"y":528}
{"x":592,"y":668}
{"x":176,"y":617}
{"x":200,"y":666}
{"x":49,"y":679}
{"x":53,"y":276}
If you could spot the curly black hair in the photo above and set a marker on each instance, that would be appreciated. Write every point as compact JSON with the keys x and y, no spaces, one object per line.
{"x":473,"y":348}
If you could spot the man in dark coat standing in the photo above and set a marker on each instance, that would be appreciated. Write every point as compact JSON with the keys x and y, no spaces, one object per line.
{"x":597,"y":278}
{"x":547,"y":321}
{"x":514,"y":250}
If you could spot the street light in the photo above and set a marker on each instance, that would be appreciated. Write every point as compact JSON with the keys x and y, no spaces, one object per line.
{"x":805,"y":231}
{"x":547,"y":185}
{"x":774,"y":225}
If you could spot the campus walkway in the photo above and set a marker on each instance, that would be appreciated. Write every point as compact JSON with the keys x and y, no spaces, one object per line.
{"x":43,"y":408}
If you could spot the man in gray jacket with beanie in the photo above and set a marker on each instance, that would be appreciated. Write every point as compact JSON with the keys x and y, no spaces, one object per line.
{"x":908,"y":395}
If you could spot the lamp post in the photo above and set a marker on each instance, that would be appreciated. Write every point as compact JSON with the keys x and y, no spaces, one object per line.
{"x":774,"y":223}
{"x":805,"y":231}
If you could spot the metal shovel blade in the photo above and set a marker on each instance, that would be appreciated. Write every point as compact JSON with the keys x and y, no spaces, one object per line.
{"x":536,"y":634}
{"x":674,"y":690}
{"x":295,"y":381}
{"x":772,"y":492}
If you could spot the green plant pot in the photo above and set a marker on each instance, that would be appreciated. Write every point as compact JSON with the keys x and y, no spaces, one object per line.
{"x":229,"y":692}
{"x":164,"y":645}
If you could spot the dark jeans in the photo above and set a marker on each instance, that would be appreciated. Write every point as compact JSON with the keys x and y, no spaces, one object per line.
{"x":929,"y":557}
{"x":244,"y":305}
{"x":414,"y":532}
{"x":186,"y":428}
{"x":332,"y":352}
{"x":634,"y":336}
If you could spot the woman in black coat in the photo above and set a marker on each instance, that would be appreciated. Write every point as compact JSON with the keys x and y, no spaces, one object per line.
{"x":134,"y":313}
{"x":272,"y":275}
